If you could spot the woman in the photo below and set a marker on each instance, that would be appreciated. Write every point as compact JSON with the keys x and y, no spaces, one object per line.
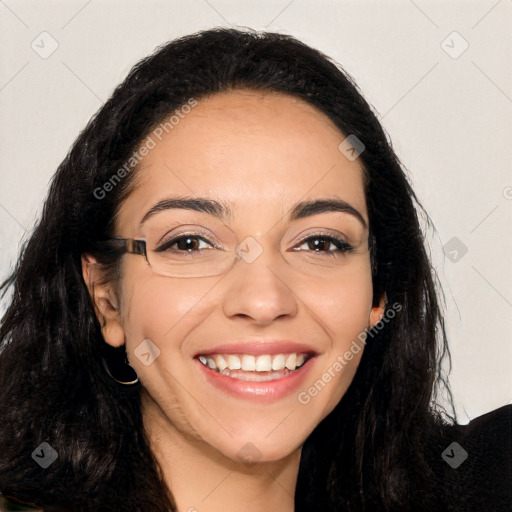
{"x":228,"y":304}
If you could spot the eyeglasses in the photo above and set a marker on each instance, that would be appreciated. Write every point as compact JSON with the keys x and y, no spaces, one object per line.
{"x":194,"y":251}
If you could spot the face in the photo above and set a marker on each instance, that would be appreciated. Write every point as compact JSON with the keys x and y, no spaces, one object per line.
{"x":297,"y":296}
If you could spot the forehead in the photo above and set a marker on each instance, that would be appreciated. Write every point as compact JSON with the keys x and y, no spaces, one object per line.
{"x":250,"y":150}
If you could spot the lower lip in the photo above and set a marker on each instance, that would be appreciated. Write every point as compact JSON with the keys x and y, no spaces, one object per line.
{"x":258,"y":391}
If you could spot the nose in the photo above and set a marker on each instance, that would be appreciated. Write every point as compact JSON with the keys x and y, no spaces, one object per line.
{"x":258,"y":292}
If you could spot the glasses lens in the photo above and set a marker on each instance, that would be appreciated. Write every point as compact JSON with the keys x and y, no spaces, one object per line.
{"x":191,"y":251}
{"x":210,"y":249}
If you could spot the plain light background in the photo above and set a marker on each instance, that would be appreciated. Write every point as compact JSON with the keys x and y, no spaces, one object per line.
{"x":437,"y":73}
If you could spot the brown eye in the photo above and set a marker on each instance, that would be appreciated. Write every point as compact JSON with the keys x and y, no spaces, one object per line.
{"x":325,"y":243}
{"x":188,"y":243}
{"x":319,"y":244}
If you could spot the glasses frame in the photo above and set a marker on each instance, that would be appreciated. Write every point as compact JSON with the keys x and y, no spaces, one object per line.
{"x":139,"y":246}
{"x":130,"y":245}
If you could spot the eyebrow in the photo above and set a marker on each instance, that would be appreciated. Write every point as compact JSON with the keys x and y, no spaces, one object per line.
{"x":222,"y":211}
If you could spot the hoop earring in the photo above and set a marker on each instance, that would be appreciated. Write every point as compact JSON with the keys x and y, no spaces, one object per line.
{"x":123,"y":371}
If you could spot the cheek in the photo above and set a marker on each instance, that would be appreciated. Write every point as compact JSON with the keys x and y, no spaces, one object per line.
{"x":161,"y":310}
{"x":343,"y":309}
{"x":155,"y":305}
{"x":343,"y":304}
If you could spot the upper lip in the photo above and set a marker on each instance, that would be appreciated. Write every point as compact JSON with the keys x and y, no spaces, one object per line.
{"x":259,"y":347}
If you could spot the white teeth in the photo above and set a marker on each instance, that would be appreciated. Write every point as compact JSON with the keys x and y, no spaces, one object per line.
{"x":264,"y":363}
{"x":279,"y":362}
{"x":291,"y":362}
{"x":249,"y":363}
{"x":221,"y":362}
{"x":234,"y":363}
{"x":256,"y":376}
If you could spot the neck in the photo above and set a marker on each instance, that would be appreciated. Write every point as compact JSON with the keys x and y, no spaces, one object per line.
{"x":202,"y":479}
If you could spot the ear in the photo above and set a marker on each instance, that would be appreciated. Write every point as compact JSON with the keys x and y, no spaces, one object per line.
{"x":105,"y":302}
{"x":377,"y":312}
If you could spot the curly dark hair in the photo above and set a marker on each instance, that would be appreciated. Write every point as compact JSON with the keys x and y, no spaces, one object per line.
{"x":370,"y":452}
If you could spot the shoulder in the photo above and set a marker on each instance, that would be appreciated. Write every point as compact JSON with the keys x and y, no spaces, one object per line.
{"x":472,"y":463}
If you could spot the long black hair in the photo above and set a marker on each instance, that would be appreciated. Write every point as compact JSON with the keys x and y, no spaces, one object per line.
{"x":369,"y":453}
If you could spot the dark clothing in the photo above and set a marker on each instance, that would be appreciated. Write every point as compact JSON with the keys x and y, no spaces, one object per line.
{"x":483,"y":481}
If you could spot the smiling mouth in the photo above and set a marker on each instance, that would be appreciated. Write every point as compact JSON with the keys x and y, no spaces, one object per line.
{"x":260,"y":368}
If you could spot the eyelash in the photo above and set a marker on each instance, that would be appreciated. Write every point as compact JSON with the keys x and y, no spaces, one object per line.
{"x":341,"y":245}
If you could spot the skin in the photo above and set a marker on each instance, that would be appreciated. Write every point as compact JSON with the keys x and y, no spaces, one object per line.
{"x":258,"y":153}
